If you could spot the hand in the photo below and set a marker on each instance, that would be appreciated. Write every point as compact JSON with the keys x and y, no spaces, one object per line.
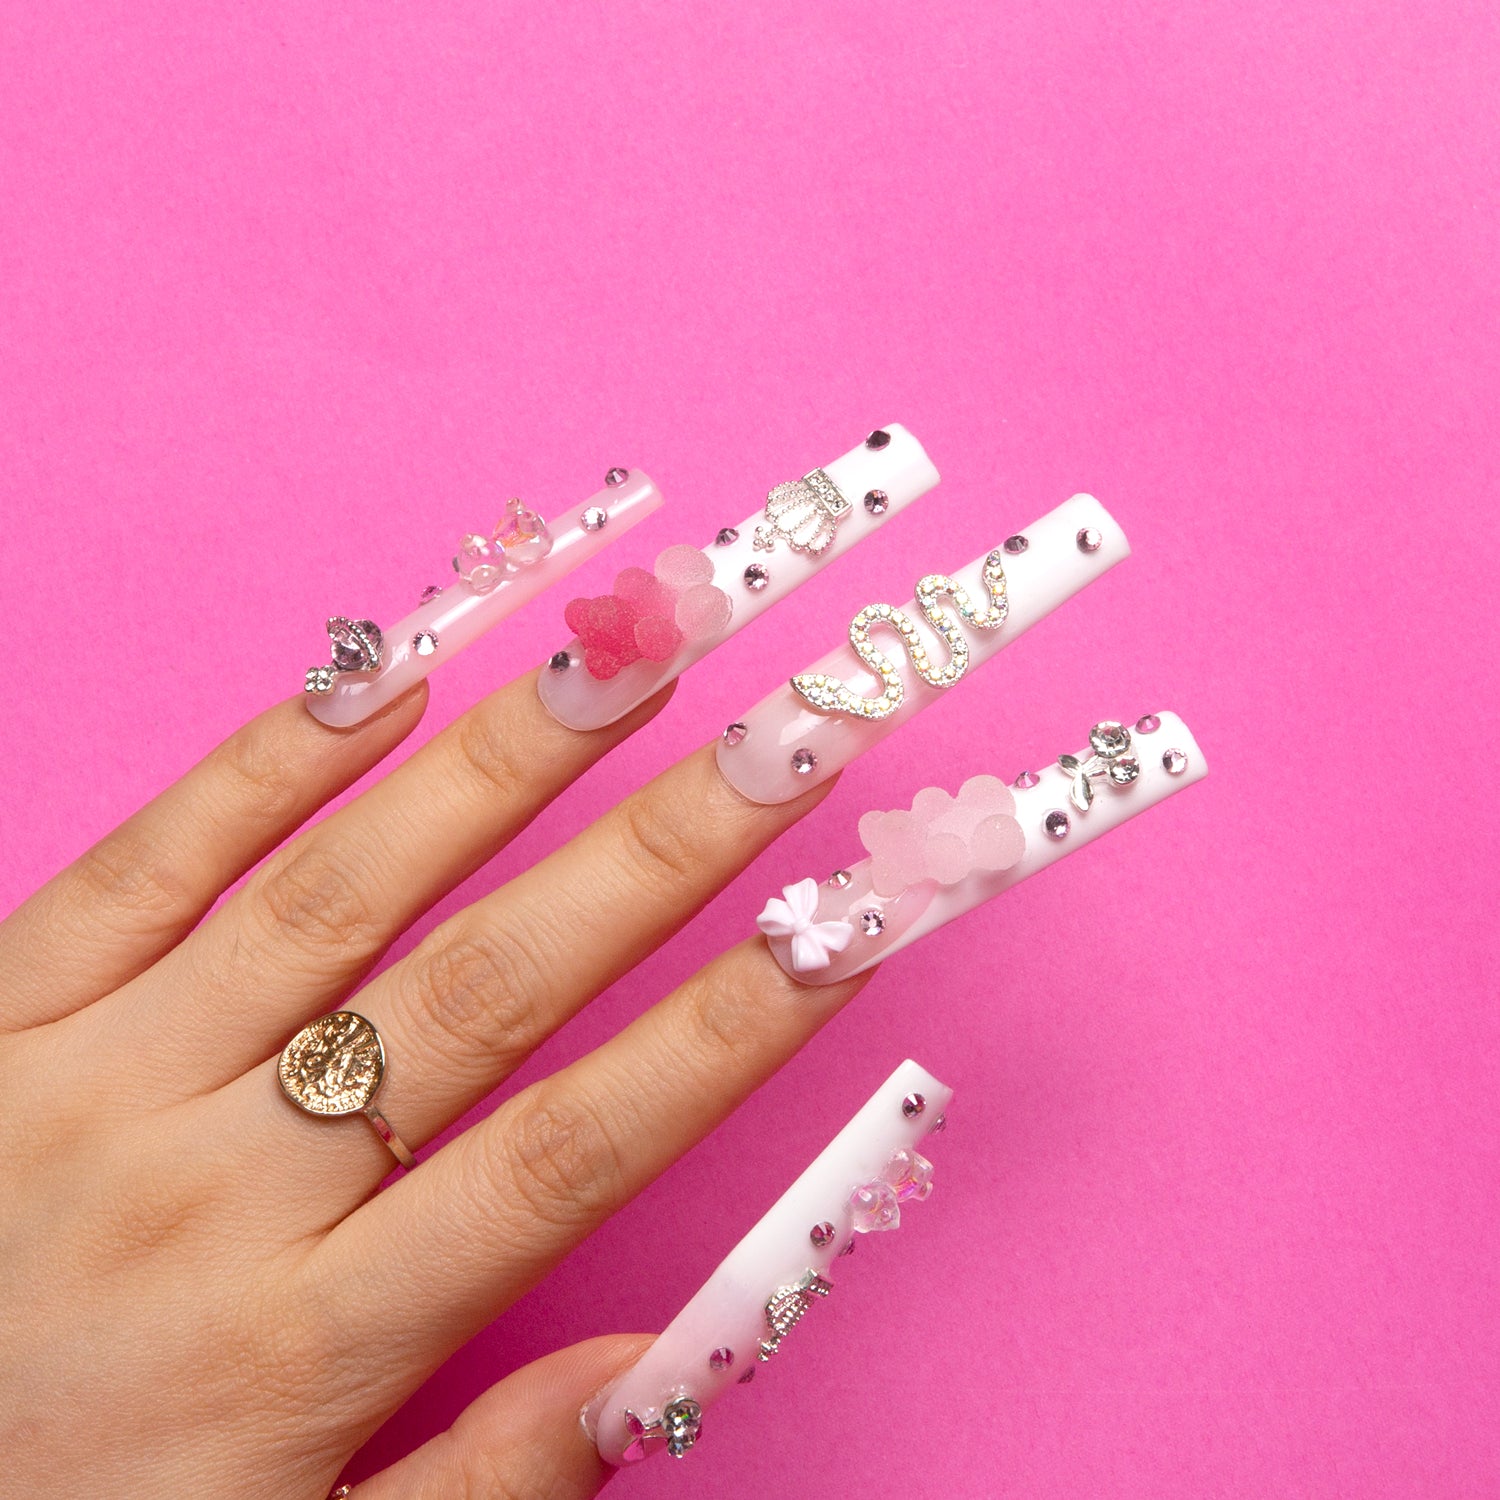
{"x":204,"y":1292}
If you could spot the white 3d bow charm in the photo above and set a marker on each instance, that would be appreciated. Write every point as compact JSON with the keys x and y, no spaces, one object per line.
{"x":813,"y":943}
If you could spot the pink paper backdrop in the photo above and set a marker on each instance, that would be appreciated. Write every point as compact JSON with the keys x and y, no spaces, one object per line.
{"x":291,"y":296}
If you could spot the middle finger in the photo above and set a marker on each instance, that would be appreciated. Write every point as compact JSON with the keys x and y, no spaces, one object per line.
{"x":461,"y":1012}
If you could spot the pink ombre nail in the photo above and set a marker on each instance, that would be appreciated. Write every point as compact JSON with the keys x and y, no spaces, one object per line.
{"x":808,"y":728}
{"x":863,"y":1183}
{"x":945,"y":855}
{"x":657,"y":622}
{"x":498,"y":573}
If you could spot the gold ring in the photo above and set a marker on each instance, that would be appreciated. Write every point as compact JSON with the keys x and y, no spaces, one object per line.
{"x":335,"y":1066}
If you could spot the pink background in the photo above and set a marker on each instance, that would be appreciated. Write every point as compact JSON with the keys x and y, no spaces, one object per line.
{"x":289,"y":298}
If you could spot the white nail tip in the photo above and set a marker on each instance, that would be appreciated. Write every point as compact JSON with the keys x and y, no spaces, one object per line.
{"x":745,"y":1312}
{"x":803,"y":525}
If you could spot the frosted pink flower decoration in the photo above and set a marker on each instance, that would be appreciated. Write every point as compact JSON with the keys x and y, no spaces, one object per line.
{"x":943,"y":838}
{"x":649,"y":615}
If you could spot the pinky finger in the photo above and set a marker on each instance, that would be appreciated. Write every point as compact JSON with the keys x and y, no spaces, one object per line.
{"x":522,"y":1437}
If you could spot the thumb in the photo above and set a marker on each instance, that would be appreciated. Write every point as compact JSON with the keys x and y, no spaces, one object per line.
{"x":522,"y":1437}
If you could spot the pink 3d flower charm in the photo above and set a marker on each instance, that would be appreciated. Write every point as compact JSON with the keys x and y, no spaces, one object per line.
{"x":649,"y":615}
{"x":943,"y":838}
{"x":795,"y":917}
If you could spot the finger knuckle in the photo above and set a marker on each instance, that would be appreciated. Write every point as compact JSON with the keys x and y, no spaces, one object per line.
{"x":134,"y":881}
{"x":254,"y":770}
{"x":561,"y":1161}
{"x":659,"y":841}
{"x":477,"y":993}
{"x":490,"y":752}
{"x":319,"y":902}
{"x":725,"y":1020}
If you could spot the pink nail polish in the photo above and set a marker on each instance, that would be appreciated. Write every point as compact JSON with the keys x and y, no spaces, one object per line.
{"x":945,"y":855}
{"x":656,"y":623}
{"x":497,"y":575}
{"x":864,"y":1182}
{"x":805,"y":730}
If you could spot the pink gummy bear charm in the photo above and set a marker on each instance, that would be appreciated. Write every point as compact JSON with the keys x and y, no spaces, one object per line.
{"x":649,"y":615}
{"x":943,"y":838}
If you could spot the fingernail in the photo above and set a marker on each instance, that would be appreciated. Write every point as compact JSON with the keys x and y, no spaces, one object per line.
{"x":890,"y":669}
{"x":497,"y":572}
{"x":655,"y":624}
{"x":945,"y":855}
{"x":863,"y":1183}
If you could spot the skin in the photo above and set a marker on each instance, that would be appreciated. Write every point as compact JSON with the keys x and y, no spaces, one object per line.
{"x":202,"y":1291}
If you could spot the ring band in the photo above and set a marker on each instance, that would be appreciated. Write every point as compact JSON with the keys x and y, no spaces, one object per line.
{"x":335,"y":1066}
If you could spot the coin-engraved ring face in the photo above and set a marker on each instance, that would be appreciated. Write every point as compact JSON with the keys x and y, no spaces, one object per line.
{"x":333,"y":1066}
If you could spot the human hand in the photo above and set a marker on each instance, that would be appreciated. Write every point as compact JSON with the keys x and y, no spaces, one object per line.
{"x":204,"y":1288}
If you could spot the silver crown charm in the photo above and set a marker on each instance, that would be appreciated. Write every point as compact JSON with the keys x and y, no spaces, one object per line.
{"x":804,"y":513}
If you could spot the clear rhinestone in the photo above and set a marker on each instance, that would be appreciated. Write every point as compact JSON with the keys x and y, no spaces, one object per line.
{"x":840,"y":879}
{"x":721,"y":1358}
{"x":871,"y":923}
{"x":822,"y":1234}
{"x":940,"y":1124}
{"x":804,"y":762}
{"x":877,"y":502}
{"x":878,"y":439}
{"x":1109,"y":738}
{"x":594,"y":518}
{"x":1124,"y":770}
{"x":1056,"y":824}
{"x":1089,"y":540}
{"x":734,"y":733}
{"x":1016,"y":544}
{"x":1147,"y":724}
{"x":430,"y":593}
{"x":913,"y":1105}
{"x":726,"y":537}
{"x":748,"y":1376}
{"x":757,"y":576}
{"x":1175,"y":762}
{"x":560,"y":661}
{"x":1026,"y":780}
{"x":616,"y":476}
{"x":424,"y":642}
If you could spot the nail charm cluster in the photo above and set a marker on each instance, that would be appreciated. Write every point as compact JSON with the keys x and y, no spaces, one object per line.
{"x":519,"y":539}
{"x":831,"y":695}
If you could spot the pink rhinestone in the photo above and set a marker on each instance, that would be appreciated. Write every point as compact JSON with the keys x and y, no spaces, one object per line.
{"x":1147,"y":724}
{"x":1026,"y":780}
{"x":735,"y":733}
